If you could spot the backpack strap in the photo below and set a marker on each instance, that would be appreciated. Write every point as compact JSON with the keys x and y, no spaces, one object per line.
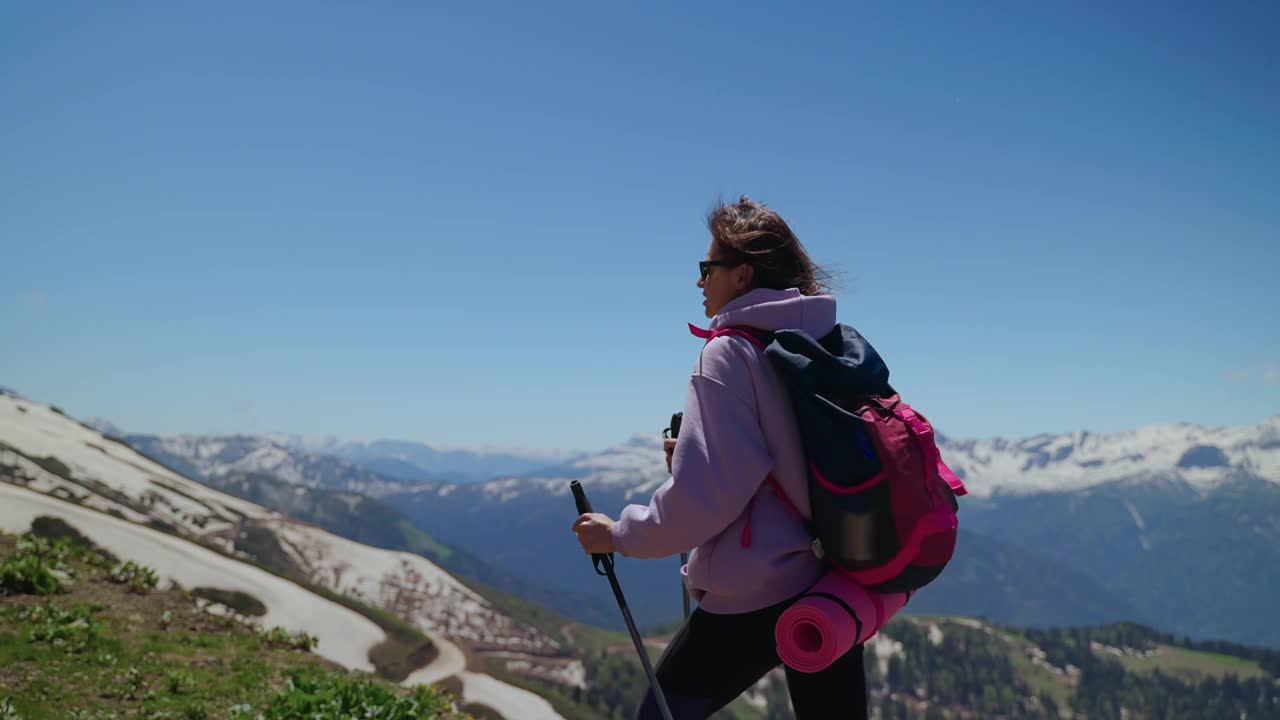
{"x":760,"y":339}
{"x":845,"y":606}
{"x":782,"y":495}
{"x":757,"y":337}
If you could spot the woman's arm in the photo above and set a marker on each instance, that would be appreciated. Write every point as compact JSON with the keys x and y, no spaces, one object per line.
{"x":719,"y":463}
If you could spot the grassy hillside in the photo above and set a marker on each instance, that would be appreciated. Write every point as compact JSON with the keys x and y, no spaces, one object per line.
{"x":83,"y":635}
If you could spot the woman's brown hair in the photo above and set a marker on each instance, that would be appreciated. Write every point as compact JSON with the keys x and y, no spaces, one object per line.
{"x":749,"y":232}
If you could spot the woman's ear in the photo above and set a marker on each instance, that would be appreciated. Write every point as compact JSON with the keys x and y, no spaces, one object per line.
{"x":744,"y":277}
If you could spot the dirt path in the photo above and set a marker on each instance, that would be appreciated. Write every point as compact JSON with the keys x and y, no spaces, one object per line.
{"x":512,"y":702}
{"x":448,"y":661}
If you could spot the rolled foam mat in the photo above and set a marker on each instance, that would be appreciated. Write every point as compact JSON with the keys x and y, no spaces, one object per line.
{"x":823,"y":624}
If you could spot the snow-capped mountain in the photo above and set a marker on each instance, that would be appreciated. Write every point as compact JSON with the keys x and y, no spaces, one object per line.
{"x":417,"y":461}
{"x":210,"y":456}
{"x":51,"y":464}
{"x":629,"y":468}
{"x":1202,"y":456}
{"x":376,"y":468}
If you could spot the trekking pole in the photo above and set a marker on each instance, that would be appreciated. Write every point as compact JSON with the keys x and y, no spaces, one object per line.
{"x":584,"y":507}
{"x":684,"y":560}
{"x":671,"y":433}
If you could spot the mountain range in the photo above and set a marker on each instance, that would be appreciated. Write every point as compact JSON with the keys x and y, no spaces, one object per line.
{"x":1180,"y":533}
{"x":372,"y":468}
{"x":1172,"y":525}
{"x":1165,"y":524}
{"x":205,"y":457}
{"x":418,"y":461}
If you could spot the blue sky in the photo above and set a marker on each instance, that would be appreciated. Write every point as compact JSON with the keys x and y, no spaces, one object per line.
{"x":477,"y":223}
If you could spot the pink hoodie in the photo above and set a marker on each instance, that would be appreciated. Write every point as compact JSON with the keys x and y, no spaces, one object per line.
{"x":738,"y":427}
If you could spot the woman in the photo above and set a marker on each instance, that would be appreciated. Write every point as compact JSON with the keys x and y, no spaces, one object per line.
{"x":751,"y":555}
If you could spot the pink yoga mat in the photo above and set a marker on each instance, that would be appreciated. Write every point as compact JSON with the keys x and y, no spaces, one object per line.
{"x":816,"y":631}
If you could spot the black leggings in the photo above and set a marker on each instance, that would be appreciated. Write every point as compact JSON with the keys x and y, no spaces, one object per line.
{"x":715,"y":658}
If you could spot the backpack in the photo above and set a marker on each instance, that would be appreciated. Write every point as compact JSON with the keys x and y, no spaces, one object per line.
{"x":883,"y":501}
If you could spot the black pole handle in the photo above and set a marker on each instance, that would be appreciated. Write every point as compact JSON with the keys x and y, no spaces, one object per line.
{"x":584,"y":507}
{"x":580,"y":498}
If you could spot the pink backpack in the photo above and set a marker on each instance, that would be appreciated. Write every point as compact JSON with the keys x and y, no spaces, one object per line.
{"x":883,"y":501}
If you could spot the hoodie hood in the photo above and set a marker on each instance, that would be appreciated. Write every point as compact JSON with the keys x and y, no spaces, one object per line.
{"x":774,"y":310}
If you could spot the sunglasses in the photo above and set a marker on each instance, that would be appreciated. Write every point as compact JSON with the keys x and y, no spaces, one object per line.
{"x":704,"y":266}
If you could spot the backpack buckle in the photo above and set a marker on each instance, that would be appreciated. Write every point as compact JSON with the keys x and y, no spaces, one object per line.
{"x":817,"y":549}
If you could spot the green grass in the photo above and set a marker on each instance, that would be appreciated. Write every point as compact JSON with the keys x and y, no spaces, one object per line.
{"x":1039,"y":679}
{"x":405,"y":649}
{"x":1036,"y":677}
{"x":1190,"y":664}
{"x":99,"y":648}
{"x":420,"y":543}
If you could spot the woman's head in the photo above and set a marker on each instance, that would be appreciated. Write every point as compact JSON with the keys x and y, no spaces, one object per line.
{"x":753,"y":247}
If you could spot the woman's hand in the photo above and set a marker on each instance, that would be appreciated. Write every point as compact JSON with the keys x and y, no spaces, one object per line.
{"x":595,"y":533}
{"x":669,"y":447}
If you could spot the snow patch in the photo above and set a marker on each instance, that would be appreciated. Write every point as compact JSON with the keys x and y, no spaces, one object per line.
{"x":884,"y":648}
{"x":1137,"y":517}
{"x":510,"y":701}
{"x":935,"y":635}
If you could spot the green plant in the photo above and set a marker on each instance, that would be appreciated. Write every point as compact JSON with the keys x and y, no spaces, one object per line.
{"x":281,"y":637}
{"x":36,"y":567}
{"x":134,"y":683}
{"x":29,"y":575}
{"x":333,"y":696}
{"x":139,"y":578}
{"x":181,"y":682}
{"x":71,"y":629}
